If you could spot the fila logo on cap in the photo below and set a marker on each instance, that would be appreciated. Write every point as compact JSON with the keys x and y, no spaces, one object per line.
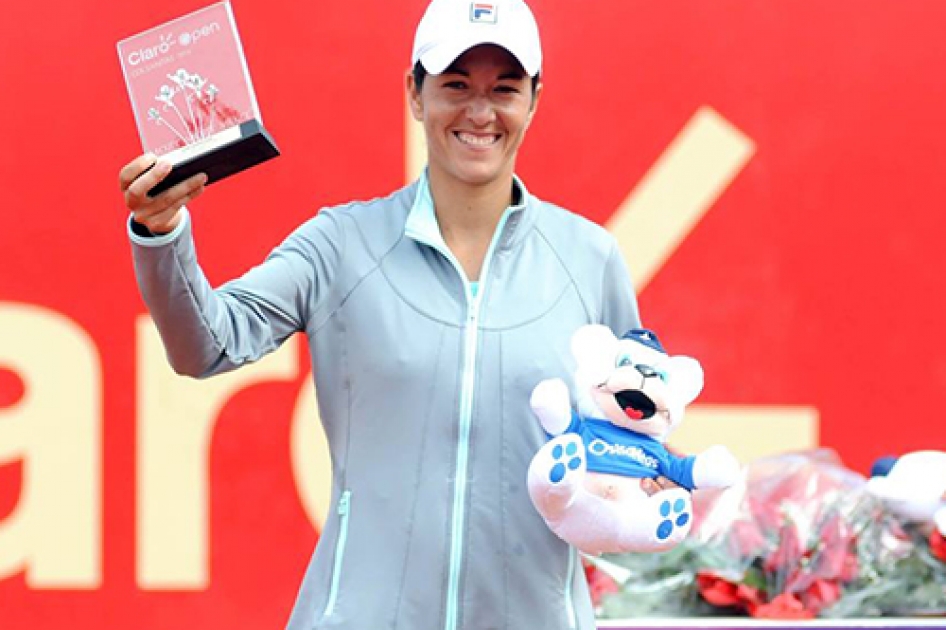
{"x":483,"y":12}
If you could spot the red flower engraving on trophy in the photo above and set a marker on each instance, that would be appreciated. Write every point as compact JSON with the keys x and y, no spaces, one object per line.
{"x":191,"y":108}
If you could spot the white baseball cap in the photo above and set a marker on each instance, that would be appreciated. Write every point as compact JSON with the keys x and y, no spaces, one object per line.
{"x":451,"y":27}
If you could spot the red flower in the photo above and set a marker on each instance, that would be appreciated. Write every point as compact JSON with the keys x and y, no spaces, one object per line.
{"x":751,"y":597}
{"x":788,"y":551}
{"x":938,"y":545}
{"x":821,"y":593}
{"x":785,"y":606}
{"x":849,"y":569}
{"x":599,"y":583}
{"x":719,"y":591}
{"x":838,"y":558}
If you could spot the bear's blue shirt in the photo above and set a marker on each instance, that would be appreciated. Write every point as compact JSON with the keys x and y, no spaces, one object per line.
{"x":614,"y":450}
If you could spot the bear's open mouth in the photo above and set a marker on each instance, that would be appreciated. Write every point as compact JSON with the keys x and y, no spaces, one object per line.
{"x":636,"y":404}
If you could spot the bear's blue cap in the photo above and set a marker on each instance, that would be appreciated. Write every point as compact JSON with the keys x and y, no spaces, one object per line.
{"x":882,"y":466}
{"x":645,"y":337}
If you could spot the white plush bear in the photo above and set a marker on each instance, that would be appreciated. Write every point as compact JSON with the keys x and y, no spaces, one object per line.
{"x":913,"y":487}
{"x":586,"y":481}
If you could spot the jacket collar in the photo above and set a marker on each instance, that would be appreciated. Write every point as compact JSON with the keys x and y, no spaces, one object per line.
{"x":422,"y":226}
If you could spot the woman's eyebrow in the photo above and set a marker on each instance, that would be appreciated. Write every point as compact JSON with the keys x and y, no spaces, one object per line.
{"x":512,"y":74}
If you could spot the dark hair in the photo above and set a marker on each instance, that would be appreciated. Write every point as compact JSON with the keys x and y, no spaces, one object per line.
{"x":420,"y":73}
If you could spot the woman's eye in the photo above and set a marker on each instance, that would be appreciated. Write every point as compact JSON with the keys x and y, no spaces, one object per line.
{"x":624,"y":361}
{"x":506,"y":89}
{"x":455,"y":85}
{"x":662,"y":374}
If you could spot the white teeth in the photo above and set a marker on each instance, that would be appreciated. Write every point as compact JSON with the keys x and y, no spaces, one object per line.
{"x":475,"y":140}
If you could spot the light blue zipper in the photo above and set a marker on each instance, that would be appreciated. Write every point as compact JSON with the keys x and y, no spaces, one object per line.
{"x":463,"y":455}
{"x":466,"y":422}
{"x":344,"y":510}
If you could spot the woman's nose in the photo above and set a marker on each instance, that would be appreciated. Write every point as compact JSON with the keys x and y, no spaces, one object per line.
{"x":480,"y":111}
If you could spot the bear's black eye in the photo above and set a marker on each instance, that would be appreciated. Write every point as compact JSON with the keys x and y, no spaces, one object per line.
{"x":652,"y":372}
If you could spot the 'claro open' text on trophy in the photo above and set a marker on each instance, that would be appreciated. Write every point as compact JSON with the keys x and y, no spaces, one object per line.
{"x":192,"y":96}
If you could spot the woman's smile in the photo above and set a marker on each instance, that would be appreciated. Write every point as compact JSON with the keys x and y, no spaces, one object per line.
{"x":477,"y":140}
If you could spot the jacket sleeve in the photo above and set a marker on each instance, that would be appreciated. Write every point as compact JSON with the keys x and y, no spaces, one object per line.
{"x":619,"y":301}
{"x":207,"y":331}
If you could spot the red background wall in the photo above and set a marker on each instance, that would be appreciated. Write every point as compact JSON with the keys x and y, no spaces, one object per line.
{"x":815,"y":279}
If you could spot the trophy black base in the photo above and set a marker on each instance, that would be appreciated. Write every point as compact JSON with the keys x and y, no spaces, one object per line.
{"x":223,"y":154}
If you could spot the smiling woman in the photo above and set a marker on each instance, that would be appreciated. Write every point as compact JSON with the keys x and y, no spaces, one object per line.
{"x":462,"y":291}
{"x":475,"y":113}
{"x":475,"y":116}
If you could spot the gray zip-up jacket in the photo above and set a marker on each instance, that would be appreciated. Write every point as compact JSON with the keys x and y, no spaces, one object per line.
{"x":423,"y":389}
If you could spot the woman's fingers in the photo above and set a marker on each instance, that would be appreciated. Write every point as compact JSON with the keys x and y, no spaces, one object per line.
{"x":133,"y":169}
{"x":136,"y":193}
{"x":653,"y":486}
{"x":163,"y":214}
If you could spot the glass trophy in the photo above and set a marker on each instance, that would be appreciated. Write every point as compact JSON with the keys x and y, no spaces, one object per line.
{"x":192,"y":96}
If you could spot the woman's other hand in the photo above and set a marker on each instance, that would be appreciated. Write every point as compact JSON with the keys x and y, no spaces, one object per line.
{"x":161,"y":213}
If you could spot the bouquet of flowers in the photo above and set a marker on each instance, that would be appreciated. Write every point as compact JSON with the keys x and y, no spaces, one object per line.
{"x":799,"y":538}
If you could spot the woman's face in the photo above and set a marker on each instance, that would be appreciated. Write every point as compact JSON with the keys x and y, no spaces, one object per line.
{"x":475,"y":115}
